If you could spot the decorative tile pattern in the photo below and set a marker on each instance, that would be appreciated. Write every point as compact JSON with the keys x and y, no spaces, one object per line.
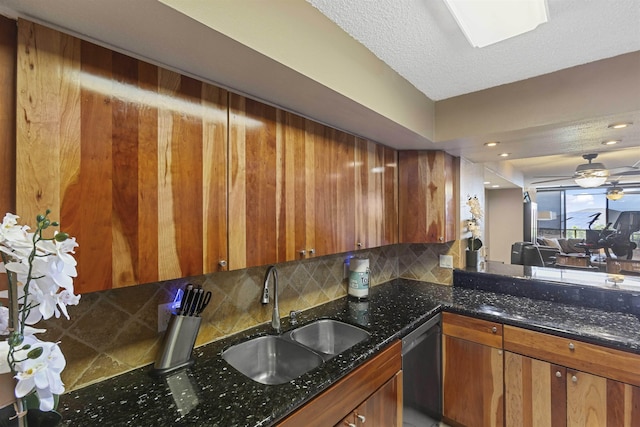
{"x":115,"y":331}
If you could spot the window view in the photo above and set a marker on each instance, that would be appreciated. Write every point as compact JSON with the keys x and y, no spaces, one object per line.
{"x":570,"y":213}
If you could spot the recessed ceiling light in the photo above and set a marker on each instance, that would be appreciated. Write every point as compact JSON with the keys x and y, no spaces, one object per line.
{"x":611,"y":142}
{"x":505,"y":154}
{"x":491,"y":143}
{"x":619,"y":125}
{"x":495,"y":186}
{"x":487,"y":182}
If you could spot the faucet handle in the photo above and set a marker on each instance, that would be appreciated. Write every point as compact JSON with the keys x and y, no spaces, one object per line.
{"x":293,"y":316}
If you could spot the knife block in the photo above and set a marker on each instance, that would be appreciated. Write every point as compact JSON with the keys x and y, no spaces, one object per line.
{"x":177,"y":344}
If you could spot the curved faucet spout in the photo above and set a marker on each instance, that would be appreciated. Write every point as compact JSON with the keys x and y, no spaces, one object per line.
{"x":275,"y":316}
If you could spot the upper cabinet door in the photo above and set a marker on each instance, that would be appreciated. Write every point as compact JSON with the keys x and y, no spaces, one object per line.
{"x":428,"y":196}
{"x":376,"y":194}
{"x":333,"y":177}
{"x":130,"y":158}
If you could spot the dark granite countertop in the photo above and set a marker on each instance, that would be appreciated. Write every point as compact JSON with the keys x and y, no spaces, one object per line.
{"x":211,"y":393}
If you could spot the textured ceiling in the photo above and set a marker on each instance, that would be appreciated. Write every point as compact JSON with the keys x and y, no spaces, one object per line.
{"x":421,"y":41}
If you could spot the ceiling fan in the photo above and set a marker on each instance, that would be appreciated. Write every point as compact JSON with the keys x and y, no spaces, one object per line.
{"x":591,"y":175}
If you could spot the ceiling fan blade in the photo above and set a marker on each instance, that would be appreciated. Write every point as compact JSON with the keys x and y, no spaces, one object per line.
{"x":564,"y":178}
{"x":553,"y":176}
{"x":625,"y":171}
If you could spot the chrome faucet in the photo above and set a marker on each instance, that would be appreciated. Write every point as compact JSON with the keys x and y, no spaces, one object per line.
{"x":275,"y":316}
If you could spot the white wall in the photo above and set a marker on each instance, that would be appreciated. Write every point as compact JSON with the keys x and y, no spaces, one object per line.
{"x":503,"y":224}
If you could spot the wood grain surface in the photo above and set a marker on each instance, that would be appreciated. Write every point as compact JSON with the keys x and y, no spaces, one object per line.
{"x":428,"y":196}
{"x":8,"y":38}
{"x":607,"y":362}
{"x":472,"y":383}
{"x":122,"y":152}
{"x":535,"y":392}
{"x":161,"y":176}
{"x":472,"y":329}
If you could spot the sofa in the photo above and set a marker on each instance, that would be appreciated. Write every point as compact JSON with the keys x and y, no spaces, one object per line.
{"x":565,"y":246}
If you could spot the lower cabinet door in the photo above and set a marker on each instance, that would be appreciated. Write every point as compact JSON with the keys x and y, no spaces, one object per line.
{"x":473,"y":383}
{"x":382,"y":409}
{"x":535,"y":392}
{"x":601,"y":402}
{"x":540,"y":394}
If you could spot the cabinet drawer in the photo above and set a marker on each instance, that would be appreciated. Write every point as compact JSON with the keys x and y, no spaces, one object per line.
{"x":472,"y":329}
{"x":606,"y":362}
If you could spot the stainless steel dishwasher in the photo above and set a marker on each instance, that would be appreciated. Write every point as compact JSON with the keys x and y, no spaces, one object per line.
{"x":422,"y":375}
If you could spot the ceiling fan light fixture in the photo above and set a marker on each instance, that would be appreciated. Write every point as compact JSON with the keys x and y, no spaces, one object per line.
{"x":487,"y":22}
{"x":590,"y":181}
{"x":615,"y":193}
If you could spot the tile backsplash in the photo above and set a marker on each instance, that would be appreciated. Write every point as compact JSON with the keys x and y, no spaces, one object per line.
{"x":114,"y":331}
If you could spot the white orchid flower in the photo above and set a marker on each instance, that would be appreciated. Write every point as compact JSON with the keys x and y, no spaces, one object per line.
{"x":4,"y":321}
{"x":41,"y":374}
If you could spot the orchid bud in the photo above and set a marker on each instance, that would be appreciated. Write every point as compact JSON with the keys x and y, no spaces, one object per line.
{"x":61,"y":237}
{"x":35,"y":353}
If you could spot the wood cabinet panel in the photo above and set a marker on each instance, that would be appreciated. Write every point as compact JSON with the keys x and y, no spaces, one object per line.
{"x":428,"y":196}
{"x":376,"y":197}
{"x":116,"y":149}
{"x":606,"y":362}
{"x":253,"y":183}
{"x":384,"y":407}
{"x":535,"y":392}
{"x":472,"y":329}
{"x":334,"y":189}
{"x":8,"y":38}
{"x":472,"y":383}
{"x":338,"y":402}
{"x":538,"y":393}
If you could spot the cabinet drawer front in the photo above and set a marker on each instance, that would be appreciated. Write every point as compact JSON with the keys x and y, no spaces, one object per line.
{"x":595,"y":359}
{"x":472,"y":329}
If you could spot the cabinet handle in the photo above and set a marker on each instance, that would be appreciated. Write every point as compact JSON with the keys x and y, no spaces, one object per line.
{"x":359,"y":244}
{"x":494,"y":330}
{"x":441,"y":239}
{"x":571,"y":346}
{"x":312,"y":251}
{"x":574,"y":379}
{"x":222,"y":263}
{"x":303,"y":252}
{"x":558,"y":374}
{"x":361,"y":418}
{"x":347,"y":423}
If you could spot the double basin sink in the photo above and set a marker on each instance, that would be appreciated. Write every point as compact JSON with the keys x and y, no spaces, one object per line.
{"x":277,"y":359}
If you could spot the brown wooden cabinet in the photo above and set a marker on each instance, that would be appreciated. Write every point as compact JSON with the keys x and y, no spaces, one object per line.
{"x":472,"y":371}
{"x":574,"y":384}
{"x":376,"y":195}
{"x":129,"y":157}
{"x":372,"y":391}
{"x":538,"y":393}
{"x":428,"y":196}
{"x":159,"y":177}
{"x":382,"y":409}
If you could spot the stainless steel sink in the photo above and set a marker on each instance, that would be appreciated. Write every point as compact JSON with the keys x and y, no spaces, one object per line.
{"x":271,"y":359}
{"x":329,"y":337}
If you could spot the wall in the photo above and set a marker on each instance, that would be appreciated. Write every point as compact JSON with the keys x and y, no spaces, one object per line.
{"x":504,"y":223}
{"x":115,"y":331}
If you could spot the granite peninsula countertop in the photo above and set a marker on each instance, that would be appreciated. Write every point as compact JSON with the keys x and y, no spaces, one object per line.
{"x":212,"y":393}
